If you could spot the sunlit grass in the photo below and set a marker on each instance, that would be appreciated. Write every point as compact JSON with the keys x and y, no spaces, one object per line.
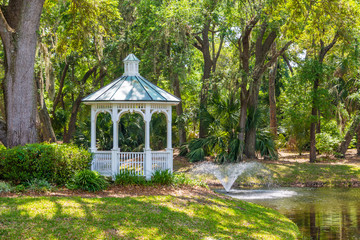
{"x":154,"y":217}
{"x":329,"y":175}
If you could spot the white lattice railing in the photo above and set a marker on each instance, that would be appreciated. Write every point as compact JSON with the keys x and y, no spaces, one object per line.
{"x":102,"y":163}
{"x":132,"y":161}
{"x":160,"y":160}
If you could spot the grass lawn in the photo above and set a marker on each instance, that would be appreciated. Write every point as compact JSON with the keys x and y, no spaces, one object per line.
{"x":146,"y":217}
{"x":324,"y":174}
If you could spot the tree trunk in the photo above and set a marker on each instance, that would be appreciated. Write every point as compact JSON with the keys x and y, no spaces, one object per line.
{"x":72,"y":123}
{"x":203,"y":125}
{"x":76,"y":105}
{"x":3,"y":132}
{"x":18,"y":29}
{"x":272,"y":97}
{"x":250,"y":137}
{"x":314,"y":114}
{"x":61,"y":86}
{"x":179,"y":110}
{"x":354,"y":128}
{"x":358,"y":142}
{"x":46,"y":129}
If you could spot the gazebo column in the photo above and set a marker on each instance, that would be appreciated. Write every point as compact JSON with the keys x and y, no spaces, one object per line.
{"x":169,"y":148}
{"x":93,"y":129}
{"x":93,"y":132}
{"x":148,"y":160}
{"x":115,"y":150}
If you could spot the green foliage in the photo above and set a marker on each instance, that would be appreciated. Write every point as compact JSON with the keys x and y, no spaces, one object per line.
{"x":55,"y":163}
{"x":88,"y":180}
{"x":266,"y":145}
{"x":182,"y":179}
{"x":5,"y":187}
{"x":281,"y":141}
{"x":164,"y":177}
{"x":39,"y":185}
{"x":129,"y":177}
{"x":19,"y":188}
{"x":326,"y":143}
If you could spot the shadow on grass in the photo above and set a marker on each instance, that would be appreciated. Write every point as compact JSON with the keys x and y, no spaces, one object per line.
{"x":160,"y":217}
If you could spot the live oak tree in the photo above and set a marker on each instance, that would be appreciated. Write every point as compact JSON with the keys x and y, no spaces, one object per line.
{"x":19,"y":22}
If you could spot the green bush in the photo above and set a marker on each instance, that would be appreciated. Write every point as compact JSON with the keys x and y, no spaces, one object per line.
{"x":39,"y":185}
{"x":183,"y":179}
{"x":5,"y":187}
{"x":128,"y":177}
{"x":55,"y":163}
{"x":19,"y":188}
{"x":325,"y":143}
{"x":88,"y":180}
{"x":164,"y":177}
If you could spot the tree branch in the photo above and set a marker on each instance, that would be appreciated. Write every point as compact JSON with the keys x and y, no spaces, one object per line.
{"x":58,"y":96}
{"x":324,"y":50}
{"x":288,"y":63}
{"x":277,"y":54}
{"x":5,"y":29}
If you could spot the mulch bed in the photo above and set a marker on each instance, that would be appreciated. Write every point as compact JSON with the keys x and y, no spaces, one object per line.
{"x":119,"y":192}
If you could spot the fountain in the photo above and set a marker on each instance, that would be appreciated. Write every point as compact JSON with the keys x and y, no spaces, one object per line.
{"x":226,"y":173}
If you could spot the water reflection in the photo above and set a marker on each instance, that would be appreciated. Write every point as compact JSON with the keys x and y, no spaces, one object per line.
{"x":319,"y":213}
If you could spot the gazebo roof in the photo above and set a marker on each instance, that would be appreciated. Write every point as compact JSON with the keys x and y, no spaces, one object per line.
{"x":131,"y":87}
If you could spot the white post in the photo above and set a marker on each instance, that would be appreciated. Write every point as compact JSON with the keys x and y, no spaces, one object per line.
{"x":115,"y":149}
{"x":93,"y":129}
{"x":93,"y":135}
{"x":148,"y":160}
{"x":169,"y":148}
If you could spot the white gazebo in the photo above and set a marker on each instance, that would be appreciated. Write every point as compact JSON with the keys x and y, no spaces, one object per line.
{"x":131,"y":93}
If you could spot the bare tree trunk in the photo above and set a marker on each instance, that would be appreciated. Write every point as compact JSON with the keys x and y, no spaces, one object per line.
{"x":315,"y":111}
{"x":3,"y":132}
{"x":358,"y":142}
{"x":179,"y":110}
{"x":46,"y":129}
{"x":18,"y":29}
{"x":250,"y":137}
{"x":61,"y":86}
{"x":314,"y":114}
{"x":272,"y":97}
{"x":72,"y":123}
{"x":76,"y":105}
{"x":203,"y":125}
{"x":354,"y":128}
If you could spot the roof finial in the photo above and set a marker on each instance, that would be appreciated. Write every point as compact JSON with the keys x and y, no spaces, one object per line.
{"x":131,"y":65}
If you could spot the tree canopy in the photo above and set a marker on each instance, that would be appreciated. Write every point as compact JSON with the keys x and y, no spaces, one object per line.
{"x":253,"y":76}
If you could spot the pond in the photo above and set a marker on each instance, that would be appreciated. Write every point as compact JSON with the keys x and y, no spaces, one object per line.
{"x":322,"y":213}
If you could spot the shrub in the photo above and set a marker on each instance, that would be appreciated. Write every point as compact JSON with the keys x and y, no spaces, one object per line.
{"x":327,"y":144}
{"x":162,"y":177}
{"x":5,"y":187}
{"x":20,"y":188}
{"x":55,"y":163}
{"x":183,"y":179}
{"x":88,"y":180}
{"x":265,"y":145}
{"x":39,"y":185}
{"x":128,"y":177}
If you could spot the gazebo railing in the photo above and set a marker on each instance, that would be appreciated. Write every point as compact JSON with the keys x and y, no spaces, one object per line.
{"x":134,"y":162}
{"x":131,"y":161}
{"x":160,"y":160}
{"x":102,"y":163}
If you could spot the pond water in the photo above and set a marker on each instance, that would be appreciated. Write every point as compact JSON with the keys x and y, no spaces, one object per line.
{"x":322,"y":213}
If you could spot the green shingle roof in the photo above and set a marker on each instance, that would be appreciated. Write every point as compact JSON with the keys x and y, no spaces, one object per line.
{"x":131,"y":88}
